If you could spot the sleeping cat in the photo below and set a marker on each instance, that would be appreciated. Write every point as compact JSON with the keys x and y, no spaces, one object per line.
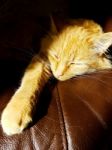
{"x":77,"y":49}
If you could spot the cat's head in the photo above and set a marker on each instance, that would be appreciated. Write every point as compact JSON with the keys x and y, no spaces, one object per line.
{"x":72,"y":57}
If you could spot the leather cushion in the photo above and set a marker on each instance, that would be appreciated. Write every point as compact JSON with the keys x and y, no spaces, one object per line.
{"x":75,"y":114}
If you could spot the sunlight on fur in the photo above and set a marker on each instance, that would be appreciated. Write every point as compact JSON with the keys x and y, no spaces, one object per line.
{"x":77,"y":49}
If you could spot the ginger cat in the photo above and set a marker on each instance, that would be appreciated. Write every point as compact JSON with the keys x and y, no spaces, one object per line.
{"x":77,"y":49}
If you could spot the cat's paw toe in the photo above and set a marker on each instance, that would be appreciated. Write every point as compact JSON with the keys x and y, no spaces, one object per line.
{"x":14,"y":120}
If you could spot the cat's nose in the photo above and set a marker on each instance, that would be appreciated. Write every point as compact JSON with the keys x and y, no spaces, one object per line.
{"x":58,"y":74}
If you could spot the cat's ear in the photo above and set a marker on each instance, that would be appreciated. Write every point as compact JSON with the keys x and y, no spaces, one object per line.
{"x":53,"y":26}
{"x":103,"y":42}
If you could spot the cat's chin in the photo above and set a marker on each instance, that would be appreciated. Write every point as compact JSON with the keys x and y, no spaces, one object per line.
{"x":62,"y":79}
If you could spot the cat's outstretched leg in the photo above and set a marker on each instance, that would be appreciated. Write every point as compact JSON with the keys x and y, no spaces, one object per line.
{"x":18,"y":113}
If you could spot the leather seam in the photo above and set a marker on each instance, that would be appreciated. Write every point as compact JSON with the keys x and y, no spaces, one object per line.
{"x":61,"y":120}
{"x":31,"y":139}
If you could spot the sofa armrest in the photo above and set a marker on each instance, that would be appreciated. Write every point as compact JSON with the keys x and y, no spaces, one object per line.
{"x":75,"y":114}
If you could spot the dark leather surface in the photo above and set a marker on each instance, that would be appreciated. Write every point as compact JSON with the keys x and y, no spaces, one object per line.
{"x":74,"y":115}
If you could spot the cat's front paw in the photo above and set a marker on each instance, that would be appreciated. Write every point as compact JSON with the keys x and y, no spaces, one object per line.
{"x":15,"y":118}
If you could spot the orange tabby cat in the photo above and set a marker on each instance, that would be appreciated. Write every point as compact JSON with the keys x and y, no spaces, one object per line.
{"x":77,"y":49}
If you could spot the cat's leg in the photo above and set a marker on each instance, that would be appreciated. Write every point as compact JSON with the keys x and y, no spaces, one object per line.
{"x":18,"y":113}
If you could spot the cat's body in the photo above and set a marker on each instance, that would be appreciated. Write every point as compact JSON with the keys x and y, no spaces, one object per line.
{"x":77,"y":49}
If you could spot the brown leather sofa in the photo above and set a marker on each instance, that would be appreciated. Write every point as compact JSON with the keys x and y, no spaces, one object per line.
{"x":75,"y":114}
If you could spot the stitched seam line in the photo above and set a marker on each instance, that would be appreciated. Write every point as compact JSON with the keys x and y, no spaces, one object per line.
{"x":61,"y":120}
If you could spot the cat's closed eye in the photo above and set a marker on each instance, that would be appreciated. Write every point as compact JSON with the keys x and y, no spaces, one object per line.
{"x":55,"y":56}
{"x":76,"y":63}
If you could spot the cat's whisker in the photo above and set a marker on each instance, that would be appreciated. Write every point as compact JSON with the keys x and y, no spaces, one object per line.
{"x":30,"y":52}
{"x":108,"y":50}
{"x":46,"y":32}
